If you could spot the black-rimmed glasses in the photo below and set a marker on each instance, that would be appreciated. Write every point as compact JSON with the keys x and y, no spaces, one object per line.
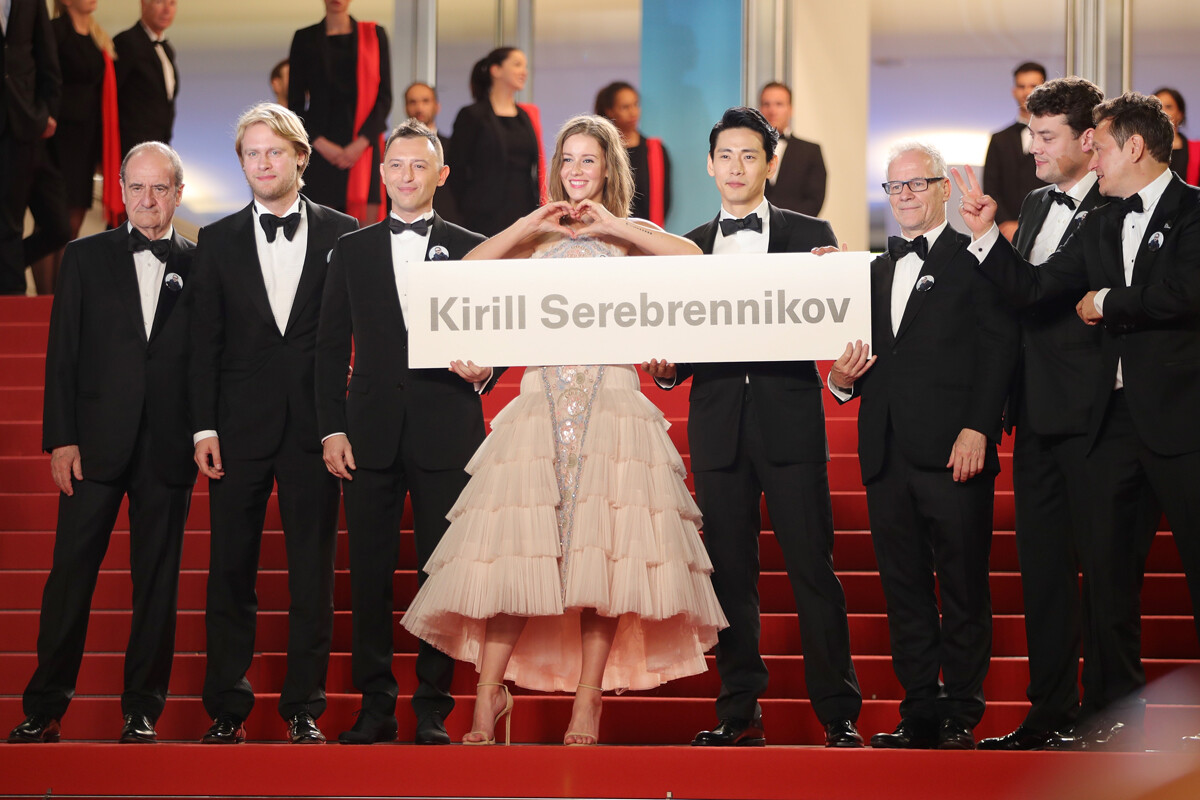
{"x":916,"y":184}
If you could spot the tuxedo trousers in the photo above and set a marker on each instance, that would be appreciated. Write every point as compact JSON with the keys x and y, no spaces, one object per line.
{"x":797,"y":498}
{"x":308,"y":509}
{"x":374,"y":508}
{"x":157,"y":512}
{"x":924,"y":525}
{"x":1132,"y":486}
{"x":1054,"y":514}
{"x":31,"y":180}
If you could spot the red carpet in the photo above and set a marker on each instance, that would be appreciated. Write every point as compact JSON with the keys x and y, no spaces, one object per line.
{"x":667,"y":716}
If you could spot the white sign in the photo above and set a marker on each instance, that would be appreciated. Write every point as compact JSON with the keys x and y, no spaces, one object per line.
{"x":772,"y":307}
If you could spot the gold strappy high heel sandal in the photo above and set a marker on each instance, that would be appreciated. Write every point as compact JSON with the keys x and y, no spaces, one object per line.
{"x":595,"y":739}
{"x":505,"y":714}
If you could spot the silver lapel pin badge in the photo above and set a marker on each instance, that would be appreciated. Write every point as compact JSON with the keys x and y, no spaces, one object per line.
{"x":925,"y":283}
{"x":1156,"y":241}
{"x":173,"y":282}
{"x":439,"y":253}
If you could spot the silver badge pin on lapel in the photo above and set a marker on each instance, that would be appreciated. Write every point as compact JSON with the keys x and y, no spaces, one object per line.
{"x":439,"y":253}
{"x":1156,"y":241}
{"x":925,"y":283}
{"x":1081,"y":216}
{"x":173,"y":282}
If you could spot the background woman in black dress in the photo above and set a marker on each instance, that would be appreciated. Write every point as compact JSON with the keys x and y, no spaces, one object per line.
{"x":494,"y":148}
{"x":1184,"y":153}
{"x":621,"y":103}
{"x":323,"y":89}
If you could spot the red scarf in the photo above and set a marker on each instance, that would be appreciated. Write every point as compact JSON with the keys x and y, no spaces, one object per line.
{"x":110,"y":148}
{"x":535,"y":117}
{"x":657,"y":174}
{"x":358,"y":184}
{"x":1193,"y":169}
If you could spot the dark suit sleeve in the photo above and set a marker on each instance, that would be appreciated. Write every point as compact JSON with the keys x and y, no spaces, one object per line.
{"x":49,"y":74}
{"x":207,"y":336}
{"x":666,"y":182}
{"x":462,"y":148}
{"x":376,"y":121}
{"x":1022,"y":285}
{"x":298,"y":80}
{"x":814,"y":184}
{"x":994,"y":183}
{"x":996,"y":357}
{"x":334,"y":337}
{"x":123,"y":64}
{"x":62,"y":356}
{"x":1175,"y":297}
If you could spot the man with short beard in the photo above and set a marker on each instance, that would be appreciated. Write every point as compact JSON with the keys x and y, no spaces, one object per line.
{"x":259,"y":277}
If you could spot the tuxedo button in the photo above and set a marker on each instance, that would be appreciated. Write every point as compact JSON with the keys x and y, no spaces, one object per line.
{"x":400,"y":385}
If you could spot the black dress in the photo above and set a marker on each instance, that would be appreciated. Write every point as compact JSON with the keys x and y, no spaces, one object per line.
{"x":75,"y":146}
{"x":1179,"y":159}
{"x":494,"y":160}
{"x":323,"y":91}
{"x":639,"y":160}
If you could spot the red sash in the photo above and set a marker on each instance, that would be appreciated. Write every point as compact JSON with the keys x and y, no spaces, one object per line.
{"x":657,"y":175}
{"x":535,"y":117}
{"x":1193,"y":170}
{"x":110,"y":148}
{"x":358,"y":184}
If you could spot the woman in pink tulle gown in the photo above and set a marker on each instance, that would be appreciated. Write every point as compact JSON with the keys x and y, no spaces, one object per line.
{"x":572,"y":561}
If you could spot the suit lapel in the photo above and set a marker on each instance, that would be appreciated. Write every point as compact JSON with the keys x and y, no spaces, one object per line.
{"x":881,"y":293}
{"x":939,"y":256}
{"x":1165,"y":210}
{"x":248,"y":270}
{"x":709,"y":236}
{"x":1090,"y":201}
{"x":1028,"y":232}
{"x":316,"y":260}
{"x":124,"y":277}
{"x":382,"y":273}
{"x":1110,"y":247}
{"x":777,"y":243}
{"x":168,"y":297}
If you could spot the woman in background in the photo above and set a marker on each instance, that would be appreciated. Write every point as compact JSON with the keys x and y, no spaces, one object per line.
{"x":621,"y":103}
{"x":1185,"y":155}
{"x":496,"y":146}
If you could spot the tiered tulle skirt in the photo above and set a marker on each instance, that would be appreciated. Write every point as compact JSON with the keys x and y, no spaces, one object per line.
{"x":581,"y":509}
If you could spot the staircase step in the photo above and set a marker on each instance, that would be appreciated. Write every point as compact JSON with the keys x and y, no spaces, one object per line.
{"x":20,"y":310}
{"x":23,"y":338}
{"x":22,"y":370}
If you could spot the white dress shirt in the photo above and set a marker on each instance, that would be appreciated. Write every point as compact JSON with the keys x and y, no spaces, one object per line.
{"x":168,"y":70}
{"x":150,"y":275}
{"x":5,"y":8}
{"x":282,"y":262}
{"x":407,"y":247}
{"x":1058,"y":218}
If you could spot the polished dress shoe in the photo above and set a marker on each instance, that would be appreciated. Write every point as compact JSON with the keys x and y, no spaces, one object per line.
{"x":36,"y":728}
{"x":370,"y":728}
{"x":431,"y":729}
{"x":138,"y":729}
{"x":842,"y":733}
{"x":909,"y":735}
{"x":954,"y":735}
{"x":1021,"y":739}
{"x":733,"y":732}
{"x":1190,"y":743}
{"x":1109,"y":736}
{"x":302,"y":729}
{"x":226,"y":729}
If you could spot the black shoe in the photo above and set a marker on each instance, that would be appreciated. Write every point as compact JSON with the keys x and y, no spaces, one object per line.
{"x":36,"y":728}
{"x":138,"y":729}
{"x":954,"y":735}
{"x":1108,"y":736}
{"x":226,"y":729}
{"x":370,"y":728}
{"x":1190,"y":743}
{"x":1021,"y":739}
{"x":909,"y":735}
{"x":842,"y":733}
{"x":1068,"y":738}
{"x":431,"y":729}
{"x":733,"y":732}
{"x":302,"y":729}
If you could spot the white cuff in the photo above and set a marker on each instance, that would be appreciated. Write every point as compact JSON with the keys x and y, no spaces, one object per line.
{"x":1098,"y":300}
{"x":983,"y":245}
{"x":837,"y":391}
{"x":330,"y":436}
{"x":198,"y":436}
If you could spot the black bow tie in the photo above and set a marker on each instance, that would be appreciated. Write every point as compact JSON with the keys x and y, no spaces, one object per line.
{"x":271,"y":224}
{"x":899,"y":247}
{"x":420,"y":227}
{"x":160,"y":42}
{"x":159,"y":248}
{"x":750,"y":222}
{"x":1125,"y":205}
{"x":1062,"y":197}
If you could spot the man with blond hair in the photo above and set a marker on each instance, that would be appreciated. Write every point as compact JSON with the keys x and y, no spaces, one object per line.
{"x":259,"y":277}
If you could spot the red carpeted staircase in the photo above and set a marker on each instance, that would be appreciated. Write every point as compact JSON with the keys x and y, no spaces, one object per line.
{"x":669,"y":715}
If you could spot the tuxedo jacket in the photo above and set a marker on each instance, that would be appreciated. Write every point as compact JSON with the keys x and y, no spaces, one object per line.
{"x":800,"y":183}
{"x":1060,"y":355}
{"x":248,"y":381}
{"x":103,"y":376}
{"x":31,"y":90}
{"x":1151,"y":326}
{"x":311,"y":84}
{"x":787,"y":394}
{"x":385,"y":399}
{"x":146,"y":113}
{"x":947,"y":367}
{"x":1009,"y":174}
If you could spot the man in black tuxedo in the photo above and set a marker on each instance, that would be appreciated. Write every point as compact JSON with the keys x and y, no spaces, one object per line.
{"x":758,"y":428}
{"x":30,"y":92}
{"x":799,"y":181}
{"x":1050,"y":406}
{"x":115,"y":423}
{"x":147,"y":78}
{"x":259,"y":277}
{"x":932,"y":402}
{"x":1008,"y":169}
{"x":421,"y":103}
{"x":393,"y":430}
{"x":1135,"y":261}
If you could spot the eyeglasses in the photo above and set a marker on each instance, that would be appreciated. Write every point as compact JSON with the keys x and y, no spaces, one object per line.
{"x":916,"y":184}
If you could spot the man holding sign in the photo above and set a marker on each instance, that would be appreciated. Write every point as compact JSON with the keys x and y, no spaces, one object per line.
{"x":755,"y":428}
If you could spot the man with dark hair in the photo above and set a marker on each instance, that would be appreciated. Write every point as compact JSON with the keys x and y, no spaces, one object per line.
{"x":394,"y":430}
{"x":421,"y":103}
{"x":755,"y":429}
{"x":1008,"y":169}
{"x":1050,"y":407}
{"x":927,"y":436}
{"x":1136,"y":263}
{"x":279,"y":81}
{"x":115,"y":423}
{"x":259,"y":277}
{"x":147,"y":78}
{"x":799,"y":181}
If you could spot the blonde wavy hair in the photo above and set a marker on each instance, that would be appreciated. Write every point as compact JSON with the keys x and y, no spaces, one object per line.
{"x":618,"y":177}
